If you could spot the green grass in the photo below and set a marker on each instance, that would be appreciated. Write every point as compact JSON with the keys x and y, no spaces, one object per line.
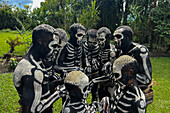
{"x":8,"y":95}
{"x":5,"y":35}
{"x":161,"y":73}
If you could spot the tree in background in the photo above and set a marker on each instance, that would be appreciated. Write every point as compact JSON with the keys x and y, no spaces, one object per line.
{"x":8,"y":14}
{"x":160,"y":17}
{"x":89,"y":17}
{"x":7,"y":19}
{"x":110,"y":13}
{"x":149,"y":19}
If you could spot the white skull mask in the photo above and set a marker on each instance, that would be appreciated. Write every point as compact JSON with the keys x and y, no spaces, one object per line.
{"x":118,"y":38}
{"x":84,"y":90}
{"x":123,"y":37}
{"x":79,"y":79}
{"x":117,"y":72}
{"x":101,"y":39}
{"x":79,"y":35}
{"x":121,"y":67}
{"x":92,"y":41}
{"x":56,"y":44}
{"x":118,"y":75}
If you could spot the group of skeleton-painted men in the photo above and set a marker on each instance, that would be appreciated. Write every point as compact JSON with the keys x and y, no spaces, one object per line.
{"x":118,"y":76}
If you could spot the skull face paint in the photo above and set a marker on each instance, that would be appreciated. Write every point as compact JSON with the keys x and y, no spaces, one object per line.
{"x":77,"y":32}
{"x":79,"y":79}
{"x":101,"y":39}
{"x":122,"y":67}
{"x":57,"y":43}
{"x":119,"y":39}
{"x":122,"y":37}
{"x":92,"y":42}
{"x":118,"y":75}
{"x":79,"y":35}
{"x":53,"y":45}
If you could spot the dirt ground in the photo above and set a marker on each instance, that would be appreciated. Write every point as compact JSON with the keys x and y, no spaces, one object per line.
{"x":4,"y":69}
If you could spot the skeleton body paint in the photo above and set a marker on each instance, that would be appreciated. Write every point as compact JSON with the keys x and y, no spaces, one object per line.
{"x":131,"y":100}
{"x":106,"y":57}
{"x":72,"y":54}
{"x":61,"y":43}
{"x":107,"y":51}
{"x":31,"y":76}
{"x":127,"y":96}
{"x":91,"y":49}
{"x":77,"y":84}
{"x":123,"y":42}
{"x":70,"y":58}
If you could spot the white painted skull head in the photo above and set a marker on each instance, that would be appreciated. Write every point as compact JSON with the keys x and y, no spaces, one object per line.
{"x":103,"y":36}
{"x":122,"y":37}
{"x":58,"y":42}
{"x":77,"y":32}
{"x":79,"y":79}
{"x":122,"y":68}
{"x":101,"y":39}
{"x":79,"y":35}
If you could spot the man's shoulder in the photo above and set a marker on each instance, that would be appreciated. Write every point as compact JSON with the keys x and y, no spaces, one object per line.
{"x":139,"y":45}
{"x":141,"y":48}
{"x":24,"y":67}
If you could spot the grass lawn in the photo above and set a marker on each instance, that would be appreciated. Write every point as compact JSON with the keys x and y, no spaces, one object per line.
{"x":6,"y":35}
{"x":161,"y":73}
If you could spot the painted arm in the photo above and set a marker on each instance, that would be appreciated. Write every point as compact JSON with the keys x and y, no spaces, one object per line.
{"x":62,"y":57}
{"x":32,"y":94}
{"x":141,"y":54}
{"x":139,"y":106}
{"x":103,"y":106}
{"x":144,"y":75}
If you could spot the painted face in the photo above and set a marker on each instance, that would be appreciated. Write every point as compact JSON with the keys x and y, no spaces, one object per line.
{"x":119,"y":76}
{"x":79,"y":79}
{"x":101,"y":40}
{"x":121,"y":40}
{"x":118,"y":38}
{"x":56,"y":44}
{"x":123,"y":68}
{"x":117,"y":72}
{"x":79,"y":35}
{"x":92,"y":42}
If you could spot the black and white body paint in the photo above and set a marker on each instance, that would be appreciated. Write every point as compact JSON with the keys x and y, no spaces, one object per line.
{"x":83,"y":107}
{"x":107,"y":50}
{"x":70,"y":58}
{"x":77,"y":84}
{"x":127,"y":96}
{"x":91,"y":49}
{"x":106,"y":56}
{"x":123,"y":42}
{"x":31,"y":76}
{"x":61,"y":43}
{"x":130,"y":100}
{"x":72,"y":54}
{"x":144,"y":76}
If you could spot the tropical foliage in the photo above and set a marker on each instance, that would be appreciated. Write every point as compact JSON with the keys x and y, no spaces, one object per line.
{"x":149,"y":19}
